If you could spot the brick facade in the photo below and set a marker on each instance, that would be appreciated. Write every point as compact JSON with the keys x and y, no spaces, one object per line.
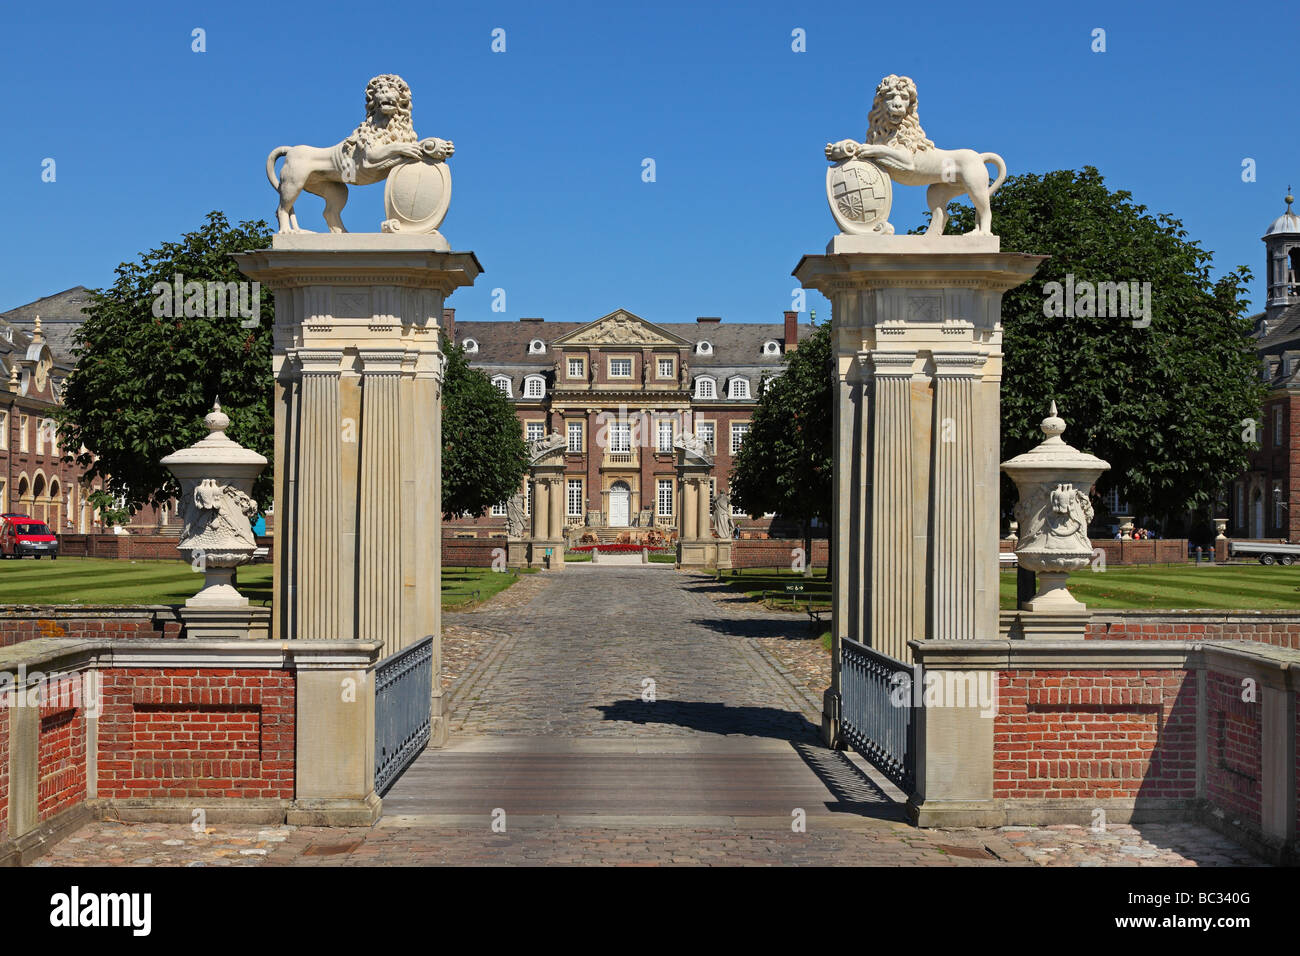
{"x":62,"y":749}
{"x":21,"y":622}
{"x":775,"y":552}
{"x":196,"y":733}
{"x":1095,"y":734}
{"x":1275,"y":628}
{"x":1234,"y":772}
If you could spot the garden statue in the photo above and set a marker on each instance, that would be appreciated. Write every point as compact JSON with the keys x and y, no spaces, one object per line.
{"x":723,"y":526}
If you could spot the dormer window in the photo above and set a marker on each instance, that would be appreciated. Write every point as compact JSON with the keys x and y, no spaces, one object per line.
{"x":771,"y":347}
{"x":706,"y":387}
{"x":703,"y":348}
{"x":470,"y":346}
{"x":503,"y":384}
{"x":534,"y":386}
{"x":738,"y":388}
{"x":536,"y":347}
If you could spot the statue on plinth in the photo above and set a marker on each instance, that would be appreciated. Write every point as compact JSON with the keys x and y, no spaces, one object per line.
{"x":897,"y":149}
{"x":384,"y":146}
{"x":723,"y":526}
{"x":548,"y":444}
{"x":693,"y":446}
{"x":516,"y":522}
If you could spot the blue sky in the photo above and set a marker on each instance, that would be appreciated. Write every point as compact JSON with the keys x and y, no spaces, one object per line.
{"x":148,"y":136}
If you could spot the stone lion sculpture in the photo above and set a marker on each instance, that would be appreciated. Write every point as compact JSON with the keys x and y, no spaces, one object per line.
{"x":385,"y":139}
{"x":897,"y":144}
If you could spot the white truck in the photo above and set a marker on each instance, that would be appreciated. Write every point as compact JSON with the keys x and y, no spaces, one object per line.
{"x":1268,"y":552}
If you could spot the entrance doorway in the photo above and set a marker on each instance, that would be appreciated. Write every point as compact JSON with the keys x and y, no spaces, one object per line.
{"x":620,"y":504}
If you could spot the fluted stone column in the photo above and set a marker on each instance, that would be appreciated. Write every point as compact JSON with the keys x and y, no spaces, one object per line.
{"x":917,"y":336}
{"x":703,"y":516}
{"x":690,"y":502}
{"x":541,"y":509}
{"x":358,"y":378}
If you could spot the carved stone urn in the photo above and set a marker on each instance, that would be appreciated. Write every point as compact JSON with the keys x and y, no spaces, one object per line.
{"x":1220,"y":529}
{"x":1125,"y":523}
{"x":1054,"y":511}
{"x":216,"y":476}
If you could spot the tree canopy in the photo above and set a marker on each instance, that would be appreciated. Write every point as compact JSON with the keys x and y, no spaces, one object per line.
{"x":785,"y":463}
{"x":147,"y":372}
{"x":1161,"y":396}
{"x":484,"y":458}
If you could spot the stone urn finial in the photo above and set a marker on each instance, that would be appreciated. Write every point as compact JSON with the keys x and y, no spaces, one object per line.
{"x":1054,"y":510}
{"x":216,"y":476}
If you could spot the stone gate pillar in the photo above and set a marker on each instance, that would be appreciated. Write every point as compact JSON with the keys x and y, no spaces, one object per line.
{"x":917,"y":339}
{"x":358,"y":434}
{"x":696,"y":547}
{"x":546,"y":466}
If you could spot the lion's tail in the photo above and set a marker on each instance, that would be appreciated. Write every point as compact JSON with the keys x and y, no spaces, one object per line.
{"x":1002,"y":170}
{"x":270,"y":166}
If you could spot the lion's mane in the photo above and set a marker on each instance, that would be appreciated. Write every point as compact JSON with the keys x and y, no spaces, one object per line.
{"x":399,"y":128}
{"x":881,"y":129}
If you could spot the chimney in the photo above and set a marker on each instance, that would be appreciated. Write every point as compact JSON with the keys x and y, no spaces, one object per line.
{"x":449,"y":324}
{"x":708,"y":318}
{"x":791,"y":331}
{"x":531,"y":318}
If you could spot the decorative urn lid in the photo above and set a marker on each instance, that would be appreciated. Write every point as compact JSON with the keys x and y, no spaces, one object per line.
{"x":1053,"y":454}
{"x":216,"y":449}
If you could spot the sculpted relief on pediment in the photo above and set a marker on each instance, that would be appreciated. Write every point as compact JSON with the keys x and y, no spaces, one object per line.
{"x":619,"y":329}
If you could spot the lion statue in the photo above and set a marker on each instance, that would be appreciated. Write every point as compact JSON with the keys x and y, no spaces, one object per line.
{"x":897,"y":144}
{"x":385,"y":139}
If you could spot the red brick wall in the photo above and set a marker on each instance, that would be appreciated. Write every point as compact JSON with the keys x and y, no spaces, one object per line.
{"x":4,"y":772}
{"x":20,"y":623}
{"x":1149,"y":551}
{"x":470,"y":552}
{"x":774,"y":552}
{"x":196,"y":733}
{"x":1234,"y":774}
{"x":134,"y":547}
{"x":1095,"y":734}
{"x":1280,"y":630}
{"x":62,"y":749}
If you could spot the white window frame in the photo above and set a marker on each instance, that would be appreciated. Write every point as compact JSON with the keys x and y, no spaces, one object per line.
{"x":661,"y":446}
{"x":499,"y":509}
{"x":539,"y":382}
{"x":580,"y":362}
{"x":469,"y":346}
{"x":534,"y":430}
{"x":712,"y":384}
{"x":569,"y":485}
{"x":662,"y":485}
{"x":738,"y":387}
{"x":738,"y":428}
{"x":711,"y":428}
{"x":23,"y":441}
{"x":620,"y":358}
{"x":672,"y":367}
{"x":4,"y":430}
{"x":613,"y":433}
{"x":704,"y":347}
{"x":536,"y":347}
{"x":575,"y":428}
{"x":771,"y":347}
{"x":499,"y":381}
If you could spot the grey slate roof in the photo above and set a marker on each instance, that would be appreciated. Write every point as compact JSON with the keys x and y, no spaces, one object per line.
{"x":60,"y":314}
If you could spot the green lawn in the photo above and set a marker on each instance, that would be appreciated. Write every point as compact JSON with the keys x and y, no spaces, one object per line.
{"x":768,"y":585}
{"x":106,"y":581}
{"x":1226,"y":587}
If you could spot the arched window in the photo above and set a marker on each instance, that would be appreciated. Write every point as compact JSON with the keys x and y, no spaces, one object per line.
{"x":706,"y":387}
{"x":771,"y":347}
{"x":536,"y":347}
{"x":470,"y":346}
{"x":502,"y":383}
{"x":738,"y":388}
{"x":703,"y":348}
{"x":534,"y":386}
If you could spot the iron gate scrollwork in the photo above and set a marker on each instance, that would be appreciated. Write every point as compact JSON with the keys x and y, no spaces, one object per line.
{"x":403,"y":710}
{"x":877,"y":718}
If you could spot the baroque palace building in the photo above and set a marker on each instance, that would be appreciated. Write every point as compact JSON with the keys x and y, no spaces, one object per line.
{"x":621,"y":390}
{"x":1264,"y":502}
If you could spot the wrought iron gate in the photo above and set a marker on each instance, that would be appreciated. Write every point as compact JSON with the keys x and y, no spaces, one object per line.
{"x":872,"y":688}
{"x":403,"y":710}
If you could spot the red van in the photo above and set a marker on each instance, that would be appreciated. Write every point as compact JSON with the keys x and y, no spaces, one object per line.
{"x":21,"y":536}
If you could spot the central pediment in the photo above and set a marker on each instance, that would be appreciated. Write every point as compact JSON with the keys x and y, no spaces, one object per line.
{"x":621,"y":327}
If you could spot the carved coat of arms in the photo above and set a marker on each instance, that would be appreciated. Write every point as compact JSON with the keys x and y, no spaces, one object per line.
{"x":860,"y":196}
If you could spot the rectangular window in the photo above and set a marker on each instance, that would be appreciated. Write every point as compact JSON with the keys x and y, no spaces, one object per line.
{"x":739,"y":388}
{"x":666,"y":368}
{"x":620,"y":436}
{"x":664,"y":497}
{"x":534,"y":431}
{"x":1277,"y":505}
{"x":706,"y":432}
{"x":574,"y":498}
{"x":620,"y":368}
{"x":577,"y":368}
{"x":738,"y":432}
{"x":22,"y":433}
{"x":713,"y":493}
{"x":528,"y":496}
{"x":499,"y":510}
{"x":704,"y":388}
{"x":1277,"y":428}
{"x":4,"y":429}
{"x":575,"y":437}
{"x":1241,"y":506}
{"x":534,"y":388}
{"x":666,"y":435}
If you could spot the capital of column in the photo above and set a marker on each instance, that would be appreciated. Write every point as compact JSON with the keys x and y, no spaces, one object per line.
{"x":318,"y":361}
{"x":888,"y":364}
{"x":381,"y":361}
{"x":959,"y":364}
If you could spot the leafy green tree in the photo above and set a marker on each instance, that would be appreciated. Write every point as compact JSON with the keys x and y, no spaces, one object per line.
{"x":147,"y":373}
{"x":1163,"y":402}
{"x":785,"y":463}
{"x":484,"y":458}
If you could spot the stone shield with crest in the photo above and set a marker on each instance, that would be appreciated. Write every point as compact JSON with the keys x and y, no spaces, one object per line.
{"x":860,"y":196}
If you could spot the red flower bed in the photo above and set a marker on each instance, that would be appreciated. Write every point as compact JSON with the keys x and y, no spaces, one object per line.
{"x":618,"y":548}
